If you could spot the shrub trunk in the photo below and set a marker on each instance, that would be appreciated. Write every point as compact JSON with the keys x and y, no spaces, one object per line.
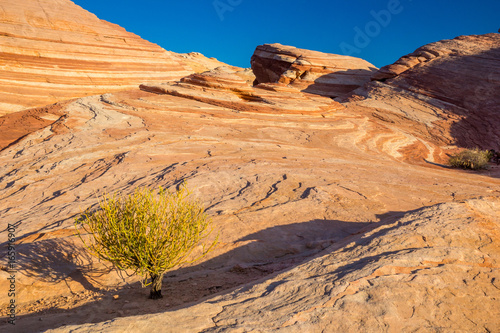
{"x":156,"y":281}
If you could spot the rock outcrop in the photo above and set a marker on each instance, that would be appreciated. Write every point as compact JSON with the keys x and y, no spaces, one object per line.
{"x":436,"y":267}
{"x":461,"y":76}
{"x":281,"y":182}
{"x":54,"y":50}
{"x":333,"y":215}
{"x":280,"y":187}
{"x":227,"y":88}
{"x":314,"y":72}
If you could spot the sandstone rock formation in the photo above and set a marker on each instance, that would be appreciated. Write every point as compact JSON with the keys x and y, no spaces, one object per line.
{"x":315,"y":72}
{"x":462,"y":75}
{"x":280,"y":184}
{"x":227,"y":88}
{"x":55,"y":50}
{"x":433,"y":269}
{"x":333,"y":214}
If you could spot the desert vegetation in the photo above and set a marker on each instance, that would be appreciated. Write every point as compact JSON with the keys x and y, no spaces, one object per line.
{"x":473,"y":159}
{"x":149,"y":232}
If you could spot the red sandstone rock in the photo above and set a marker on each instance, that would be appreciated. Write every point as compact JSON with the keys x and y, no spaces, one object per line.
{"x":459,"y":79}
{"x":285,"y":174}
{"x":18,"y":124}
{"x":315,"y":72}
{"x":55,"y":50}
{"x":227,"y":88}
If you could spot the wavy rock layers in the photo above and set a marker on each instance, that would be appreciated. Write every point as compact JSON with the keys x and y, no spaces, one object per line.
{"x":315,"y":72}
{"x":283,"y":180}
{"x":227,"y":88}
{"x":52,"y":50}
{"x":286,"y":175}
{"x":459,"y":77}
{"x":437,"y":267}
{"x":410,"y":140}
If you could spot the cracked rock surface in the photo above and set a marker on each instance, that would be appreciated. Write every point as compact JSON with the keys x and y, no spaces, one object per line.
{"x":434,"y":267}
{"x":333,"y":215}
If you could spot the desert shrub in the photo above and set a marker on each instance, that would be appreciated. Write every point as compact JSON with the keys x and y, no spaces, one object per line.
{"x":148,"y":232}
{"x":473,"y":159}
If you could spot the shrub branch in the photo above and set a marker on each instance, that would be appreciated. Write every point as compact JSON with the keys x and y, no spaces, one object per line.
{"x":147,"y":232}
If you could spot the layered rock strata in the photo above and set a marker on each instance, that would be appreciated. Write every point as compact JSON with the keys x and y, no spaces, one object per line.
{"x":460,"y":76}
{"x":55,"y":50}
{"x":285,"y":174}
{"x":227,"y":88}
{"x":437,"y":267}
{"x":315,"y":72}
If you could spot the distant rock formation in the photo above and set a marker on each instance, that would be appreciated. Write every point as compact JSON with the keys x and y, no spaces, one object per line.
{"x":55,"y":50}
{"x":334,"y":215}
{"x":225,"y":87}
{"x":314,"y":72}
{"x":460,"y":77}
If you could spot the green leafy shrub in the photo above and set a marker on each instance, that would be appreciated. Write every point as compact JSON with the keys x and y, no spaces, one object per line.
{"x":473,"y":159}
{"x":147,"y":232}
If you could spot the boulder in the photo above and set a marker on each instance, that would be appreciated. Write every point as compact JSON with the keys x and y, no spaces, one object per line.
{"x":314,"y":72}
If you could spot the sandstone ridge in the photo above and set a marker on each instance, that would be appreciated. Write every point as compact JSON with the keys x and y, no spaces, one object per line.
{"x":460,"y":76}
{"x":54,"y":50}
{"x":334,"y":215}
{"x":227,"y":88}
{"x":315,"y":72}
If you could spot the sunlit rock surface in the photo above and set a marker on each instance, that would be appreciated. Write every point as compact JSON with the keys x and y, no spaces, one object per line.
{"x":461,"y":76}
{"x":53,"y":50}
{"x":325,"y":74}
{"x":435,"y":268}
{"x":333,"y":215}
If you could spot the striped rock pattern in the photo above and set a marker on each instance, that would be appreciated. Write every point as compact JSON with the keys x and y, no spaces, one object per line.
{"x":285,"y":174}
{"x":400,"y":240}
{"x":53,"y":50}
{"x":231,"y":89}
{"x":462,"y":75}
{"x":315,"y":72}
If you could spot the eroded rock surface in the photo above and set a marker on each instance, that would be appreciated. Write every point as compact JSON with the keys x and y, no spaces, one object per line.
{"x":286,"y":175}
{"x":460,"y":76}
{"x":232,"y":89}
{"x":53,"y":50}
{"x":315,"y":72}
{"x":436,"y":268}
{"x":282,"y":183}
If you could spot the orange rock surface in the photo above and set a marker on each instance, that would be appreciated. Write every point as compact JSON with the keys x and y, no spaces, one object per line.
{"x":315,"y":72}
{"x":422,"y":272}
{"x":460,"y":76}
{"x":55,"y":50}
{"x":334,"y":215}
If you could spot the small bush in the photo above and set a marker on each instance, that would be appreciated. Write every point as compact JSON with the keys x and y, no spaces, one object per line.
{"x":473,"y":159}
{"x":147,"y":232}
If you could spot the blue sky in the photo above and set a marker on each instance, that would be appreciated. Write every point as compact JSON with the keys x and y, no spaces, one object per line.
{"x":229,"y":30}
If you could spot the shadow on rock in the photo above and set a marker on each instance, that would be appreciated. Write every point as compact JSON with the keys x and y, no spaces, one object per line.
{"x":256,"y":256}
{"x":56,"y":260}
{"x":340,"y":83}
{"x":269,"y":251}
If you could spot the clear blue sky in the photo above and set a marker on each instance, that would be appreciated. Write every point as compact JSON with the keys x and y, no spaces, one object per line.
{"x":229,"y":30}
